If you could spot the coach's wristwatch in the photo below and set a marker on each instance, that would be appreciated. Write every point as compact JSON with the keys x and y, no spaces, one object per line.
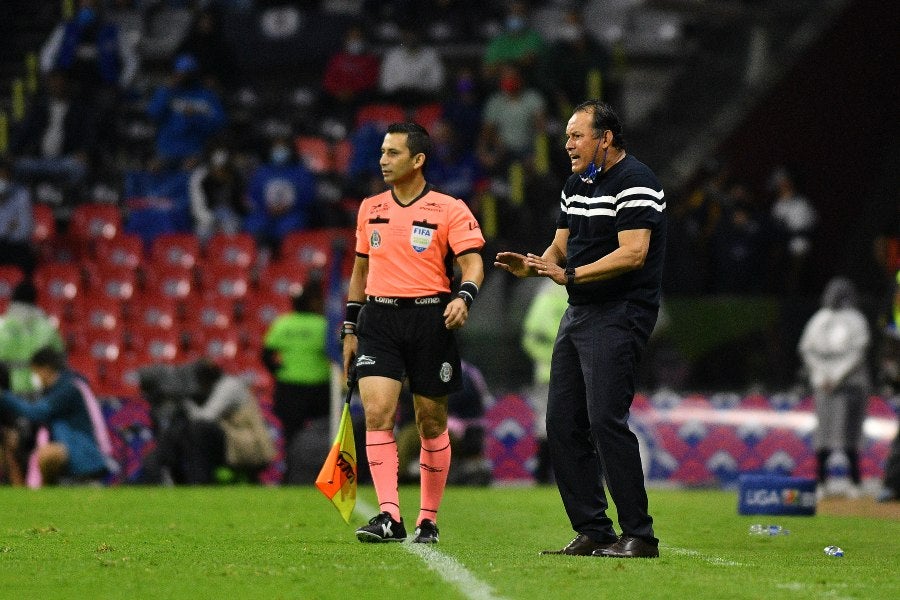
{"x":570,"y":275}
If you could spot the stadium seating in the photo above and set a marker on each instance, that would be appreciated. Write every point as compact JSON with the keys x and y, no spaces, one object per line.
{"x":93,"y":221}
{"x":154,"y":310}
{"x":170,"y":280}
{"x":44,"y":231}
{"x":125,"y":249}
{"x":233,"y":250}
{"x":58,"y":281}
{"x":283,"y":278}
{"x":382,"y":114}
{"x":209,"y":311}
{"x":315,"y":152}
{"x":99,"y":311}
{"x":176,"y":249}
{"x":226,"y":281}
{"x":10,"y":276}
{"x":154,"y":345}
{"x":114,"y":281}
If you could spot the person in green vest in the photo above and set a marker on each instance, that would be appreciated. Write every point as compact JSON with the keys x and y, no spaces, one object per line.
{"x":24,"y":329}
{"x":538,"y":335}
{"x":294,"y":351}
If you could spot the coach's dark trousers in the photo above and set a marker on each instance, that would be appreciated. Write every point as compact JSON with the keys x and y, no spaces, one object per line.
{"x":595,"y":357}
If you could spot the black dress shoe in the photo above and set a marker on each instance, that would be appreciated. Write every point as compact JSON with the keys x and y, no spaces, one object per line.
{"x":629,"y":547}
{"x":582,"y":545}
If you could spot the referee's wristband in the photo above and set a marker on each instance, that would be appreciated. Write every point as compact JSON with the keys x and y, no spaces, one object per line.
{"x":347,"y":329}
{"x":467,"y":291}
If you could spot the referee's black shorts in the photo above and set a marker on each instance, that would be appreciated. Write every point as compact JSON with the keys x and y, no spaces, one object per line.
{"x":409,"y":339}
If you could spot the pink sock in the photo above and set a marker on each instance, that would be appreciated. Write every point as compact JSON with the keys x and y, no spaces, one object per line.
{"x":434,"y":466}
{"x":381,"y":450}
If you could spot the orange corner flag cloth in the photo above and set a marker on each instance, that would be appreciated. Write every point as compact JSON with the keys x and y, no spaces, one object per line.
{"x":337,"y":479}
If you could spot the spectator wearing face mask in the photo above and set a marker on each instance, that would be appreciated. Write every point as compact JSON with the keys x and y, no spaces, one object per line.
{"x":281,"y":194}
{"x":518,"y":43}
{"x":351,"y":74}
{"x":513,"y":115}
{"x":217,"y":194}
{"x":187,"y":112}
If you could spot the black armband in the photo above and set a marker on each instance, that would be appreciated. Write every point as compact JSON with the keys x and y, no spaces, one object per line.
{"x":352,"y":314}
{"x":467,"y":291}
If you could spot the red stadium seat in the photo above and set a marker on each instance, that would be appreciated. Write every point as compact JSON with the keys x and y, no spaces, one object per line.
{"x":153,"y":310}
{"x":99,"y":311}
{"x":169,"y":280}
{"x":120,"y":378}
{"x":10,"y":276}
{"x":342,"y":153}
{"x":59,"y":281}
{"x":94,"y":221}
{"x":225,"y":281}
{"x":234,"y":250}
{"x":315,"y":152}
{"x":427,"y":114}
{"x":86,"y":366}
{"x":209,"y":311}
{"x":124,"y":250}
{"x":44,"y":231}
{"x":178,"y":249}
{"x":282,"y":279}
{"x":314,"y":248}
{"x":381,"y":114}
{"x":215,"y":344}
{"x":261,"y":308}
{"x":101,"y":345}
{"x":115,"y":281}
{"x":155,"y":345}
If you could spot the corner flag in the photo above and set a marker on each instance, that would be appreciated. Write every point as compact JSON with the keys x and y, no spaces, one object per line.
{"x":337,"y":479}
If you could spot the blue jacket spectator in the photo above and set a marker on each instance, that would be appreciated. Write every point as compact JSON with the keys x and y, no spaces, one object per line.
{"x":187,"y":113}
{"x":281,"y":194}
{"x":157,"y":201}
{"x":90,"y":49}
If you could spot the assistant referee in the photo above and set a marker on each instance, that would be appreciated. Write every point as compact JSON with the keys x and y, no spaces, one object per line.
{"x":400,"y":321}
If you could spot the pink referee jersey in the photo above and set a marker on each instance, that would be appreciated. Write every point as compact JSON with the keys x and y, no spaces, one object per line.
{"x":410,"y":248}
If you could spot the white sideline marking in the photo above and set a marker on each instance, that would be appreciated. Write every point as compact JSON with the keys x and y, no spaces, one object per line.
{"x":713,"y":560}
{"x":451,"y":570}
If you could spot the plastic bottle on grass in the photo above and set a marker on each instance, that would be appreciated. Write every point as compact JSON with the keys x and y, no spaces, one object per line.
{"x":759,"y":529}
{"x":833,"y":551}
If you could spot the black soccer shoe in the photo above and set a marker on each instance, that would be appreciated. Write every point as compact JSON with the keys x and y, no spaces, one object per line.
{"x":382,"y":528}
{"x":426,"y":532}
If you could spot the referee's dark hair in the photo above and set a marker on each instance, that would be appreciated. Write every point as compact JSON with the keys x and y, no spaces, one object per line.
{"x":49,"y":357}
{"x":417,"y":139}
{"x":604,"y":118}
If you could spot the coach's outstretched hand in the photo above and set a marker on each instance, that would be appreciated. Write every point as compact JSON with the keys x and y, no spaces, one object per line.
{"x":514,"y":263}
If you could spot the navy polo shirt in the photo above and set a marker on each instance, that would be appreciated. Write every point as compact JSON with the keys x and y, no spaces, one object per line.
{"x":627,"y":196}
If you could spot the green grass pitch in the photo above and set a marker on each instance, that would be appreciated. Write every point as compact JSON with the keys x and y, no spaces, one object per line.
{"x":289,"y":542}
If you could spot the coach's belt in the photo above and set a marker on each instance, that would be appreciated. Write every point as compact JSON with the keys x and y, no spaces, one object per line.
{"x":408,"y":302}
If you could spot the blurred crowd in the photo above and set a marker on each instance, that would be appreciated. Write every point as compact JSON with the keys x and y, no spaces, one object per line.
{"x":149,"y":106}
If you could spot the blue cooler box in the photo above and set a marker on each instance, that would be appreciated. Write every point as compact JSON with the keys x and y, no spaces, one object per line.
{"x":776,"y":495}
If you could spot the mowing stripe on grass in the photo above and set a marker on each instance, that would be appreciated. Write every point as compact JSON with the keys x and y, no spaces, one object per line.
{"x":450,"y":570}
{"x":713,"y":560}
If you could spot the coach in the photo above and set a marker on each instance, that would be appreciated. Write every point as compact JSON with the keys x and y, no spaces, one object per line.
{"x":608,"y":251}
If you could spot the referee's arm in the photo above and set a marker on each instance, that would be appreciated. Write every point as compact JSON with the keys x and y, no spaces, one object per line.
{"x":472,"y":270}
{"x":356,"y":293}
